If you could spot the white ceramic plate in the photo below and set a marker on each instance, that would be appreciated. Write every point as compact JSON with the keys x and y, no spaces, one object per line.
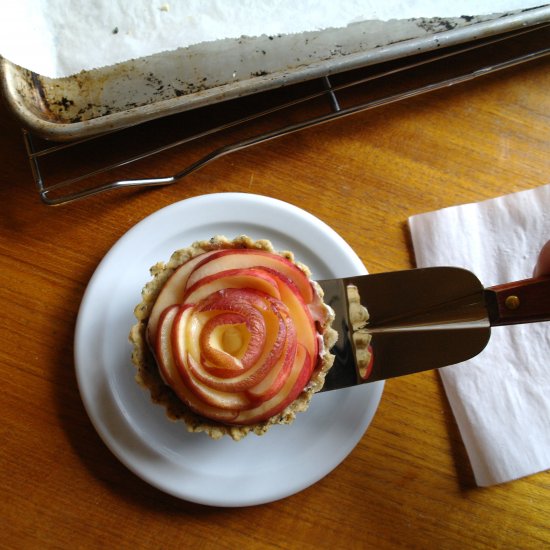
{"x":192,"y":466}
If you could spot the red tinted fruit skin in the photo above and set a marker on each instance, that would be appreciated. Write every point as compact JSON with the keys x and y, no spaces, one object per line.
{"x":172,"y":292}
{"x":368,"y":370}
{"x":230,"y":366}
{"x":230,"y":401}
{"x":223,"y":260}
{"x":287,"y":289}
{"x":304,"y":374}
{"x":163,"y":356}
{"x":265,"y":391}
{"x":233,"y":278}
{"x":244,"y":379}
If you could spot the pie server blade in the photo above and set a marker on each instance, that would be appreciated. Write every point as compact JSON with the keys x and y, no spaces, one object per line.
{"x":422,"y":319}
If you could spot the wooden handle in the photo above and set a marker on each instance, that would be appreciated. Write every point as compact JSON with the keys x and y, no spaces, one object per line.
{"x":526,"y":301}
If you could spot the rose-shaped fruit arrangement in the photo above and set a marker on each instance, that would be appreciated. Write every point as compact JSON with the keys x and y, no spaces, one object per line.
{"x":237,"y":334}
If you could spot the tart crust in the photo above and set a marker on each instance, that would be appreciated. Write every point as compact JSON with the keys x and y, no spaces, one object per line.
{"x":147,"y":372}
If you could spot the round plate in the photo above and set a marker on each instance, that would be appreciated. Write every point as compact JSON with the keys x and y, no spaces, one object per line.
{"x":193,"y":467}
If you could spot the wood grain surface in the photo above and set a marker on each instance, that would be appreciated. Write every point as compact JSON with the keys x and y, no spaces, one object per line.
{"x":408,"y":483}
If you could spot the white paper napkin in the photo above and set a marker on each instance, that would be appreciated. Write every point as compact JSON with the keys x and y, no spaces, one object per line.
{"x":501,"y":398}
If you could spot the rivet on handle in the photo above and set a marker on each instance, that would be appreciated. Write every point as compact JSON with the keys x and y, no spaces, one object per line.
{"x":512,"y":302}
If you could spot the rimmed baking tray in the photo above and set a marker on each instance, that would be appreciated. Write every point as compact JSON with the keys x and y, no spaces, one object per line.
{"x":115,"y":97}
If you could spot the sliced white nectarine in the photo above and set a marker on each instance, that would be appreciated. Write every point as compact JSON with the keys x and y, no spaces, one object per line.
{"x":278,"y":374}
{"x":239,"y":258}
{"x":293,"y":386}
{"x":256,"y":279}
{"x":163,"y":344}
{"x":225,"y":380}
{"x":172,"y":292}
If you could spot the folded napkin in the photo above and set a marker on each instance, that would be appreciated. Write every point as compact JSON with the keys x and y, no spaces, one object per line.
{"x":501,"y":398}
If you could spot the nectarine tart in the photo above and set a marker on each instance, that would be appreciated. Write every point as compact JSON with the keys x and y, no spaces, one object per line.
{"x":232,"y":337}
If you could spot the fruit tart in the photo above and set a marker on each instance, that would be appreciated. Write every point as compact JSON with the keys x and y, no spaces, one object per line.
{"x":232,"y":337}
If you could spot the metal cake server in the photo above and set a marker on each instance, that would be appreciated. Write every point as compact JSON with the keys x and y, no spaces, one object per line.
{"x":422,"y":319}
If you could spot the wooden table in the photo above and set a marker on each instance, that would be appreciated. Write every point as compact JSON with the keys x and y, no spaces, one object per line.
{"x":408,"y":482}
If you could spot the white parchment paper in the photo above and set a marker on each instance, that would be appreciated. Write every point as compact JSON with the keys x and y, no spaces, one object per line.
{"x":501,"y":398}
{"x":57,"y":38}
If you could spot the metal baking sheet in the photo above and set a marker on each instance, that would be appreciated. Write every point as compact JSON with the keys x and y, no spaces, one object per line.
{"x":98,"y":101}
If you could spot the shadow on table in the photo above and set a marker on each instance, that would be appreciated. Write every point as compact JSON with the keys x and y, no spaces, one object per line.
{"x":95,"y":455}
{"x":464,"y":472}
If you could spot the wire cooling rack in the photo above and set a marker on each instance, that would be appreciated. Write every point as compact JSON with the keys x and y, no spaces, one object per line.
{"x":65,"y":172}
